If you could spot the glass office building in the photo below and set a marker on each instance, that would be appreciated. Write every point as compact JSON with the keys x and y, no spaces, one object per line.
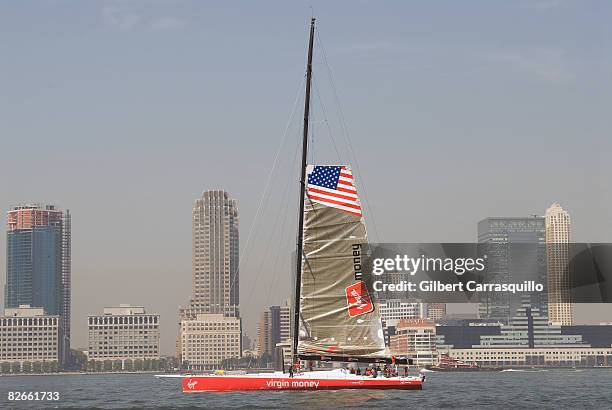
{"x":516,"y":251}
{"x":38,"y":263}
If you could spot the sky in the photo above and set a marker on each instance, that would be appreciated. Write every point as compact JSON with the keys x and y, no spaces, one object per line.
{"x":126,"y":111}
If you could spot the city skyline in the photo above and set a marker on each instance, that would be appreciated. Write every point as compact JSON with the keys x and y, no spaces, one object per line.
{"x":214,"y":200}
{"x":127,"y":113}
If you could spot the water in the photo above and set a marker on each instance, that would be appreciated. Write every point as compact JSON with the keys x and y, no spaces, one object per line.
{"x":554,"y":389}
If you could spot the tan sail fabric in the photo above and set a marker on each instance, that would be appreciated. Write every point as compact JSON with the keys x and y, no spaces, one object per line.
{"x":339,"y":317}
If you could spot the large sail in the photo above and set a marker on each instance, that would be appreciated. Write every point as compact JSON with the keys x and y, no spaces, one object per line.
{"x":338,"y":314}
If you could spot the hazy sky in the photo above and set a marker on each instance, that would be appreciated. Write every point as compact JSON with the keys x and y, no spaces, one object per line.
{"x":125,"y":111}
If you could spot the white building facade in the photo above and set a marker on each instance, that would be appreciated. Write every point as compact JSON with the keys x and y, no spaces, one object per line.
{"x":29,"y":335}
{"x":543,"y":356}
{"x":123,"y":332}
{"x":208,"y":340}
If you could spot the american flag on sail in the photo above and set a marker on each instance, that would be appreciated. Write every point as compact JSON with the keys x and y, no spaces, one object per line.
{"x":333,"y":186}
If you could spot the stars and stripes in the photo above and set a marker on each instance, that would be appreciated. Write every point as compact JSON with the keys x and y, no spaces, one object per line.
{"x":333,"y":186}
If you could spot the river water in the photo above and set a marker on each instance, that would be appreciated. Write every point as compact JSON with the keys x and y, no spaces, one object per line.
{"x":553,"y":388}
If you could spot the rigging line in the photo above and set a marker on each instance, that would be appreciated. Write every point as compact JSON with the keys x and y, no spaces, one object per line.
{"x":284,"y":232}
{"x":284,"y":206}
{"x":267,"y":186}
{"x":329,"y":130}
{"x":346,"y":134}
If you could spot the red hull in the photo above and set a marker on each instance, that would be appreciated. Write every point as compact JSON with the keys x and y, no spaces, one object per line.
{"x":245,"y":383}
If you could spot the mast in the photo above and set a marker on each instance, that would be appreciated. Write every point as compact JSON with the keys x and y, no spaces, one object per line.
{"x":300,"y":231}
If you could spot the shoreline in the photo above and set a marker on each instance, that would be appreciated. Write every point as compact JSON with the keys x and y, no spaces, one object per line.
{"x":484,"y":369}
{"x":78,"y":373}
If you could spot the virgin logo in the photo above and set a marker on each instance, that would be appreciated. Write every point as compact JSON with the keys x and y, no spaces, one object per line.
{"x":358,"y":299}
{"x":191,"y":384}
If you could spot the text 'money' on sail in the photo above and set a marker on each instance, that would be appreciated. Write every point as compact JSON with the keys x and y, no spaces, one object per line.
{"x":338,"y":315}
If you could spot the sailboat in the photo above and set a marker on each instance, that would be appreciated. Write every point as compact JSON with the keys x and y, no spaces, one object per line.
{"x":335,"y":316}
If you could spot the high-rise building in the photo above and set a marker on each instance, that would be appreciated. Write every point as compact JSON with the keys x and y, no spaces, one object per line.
{"x":66,"y":283}
{"x":215,"y":256}
{"x":38,"y":270}
{"x":274,"y":328}
{"x":557,"y":256}
{"x":280,"y":320}
{"x":215,"y":296}
{"x":264,"y":331}
{"x":123,"y":333}
{"x":515,"y":248}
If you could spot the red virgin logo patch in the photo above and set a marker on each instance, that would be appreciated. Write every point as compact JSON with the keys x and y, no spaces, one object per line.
{"x":358,"y":299}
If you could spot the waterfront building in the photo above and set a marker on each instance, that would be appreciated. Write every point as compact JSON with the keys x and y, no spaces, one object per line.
{"x":464,"y":336}
{"x":28,"y":334}
{"x":539,"y":356}
{"x":529,"y":340}
{"x":468,"y":335}
{"x":38,"y":269}
{"x":515,"y":248}
{"x":522,"y":344}
{"x":557,"y":256}
{"x":530,"y":329}
{"x":208,"y":340}
{"x":415,"y":338}
{"x":123,"y":333}
{"x":594,"y":335}
{"x":215,"y":261}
